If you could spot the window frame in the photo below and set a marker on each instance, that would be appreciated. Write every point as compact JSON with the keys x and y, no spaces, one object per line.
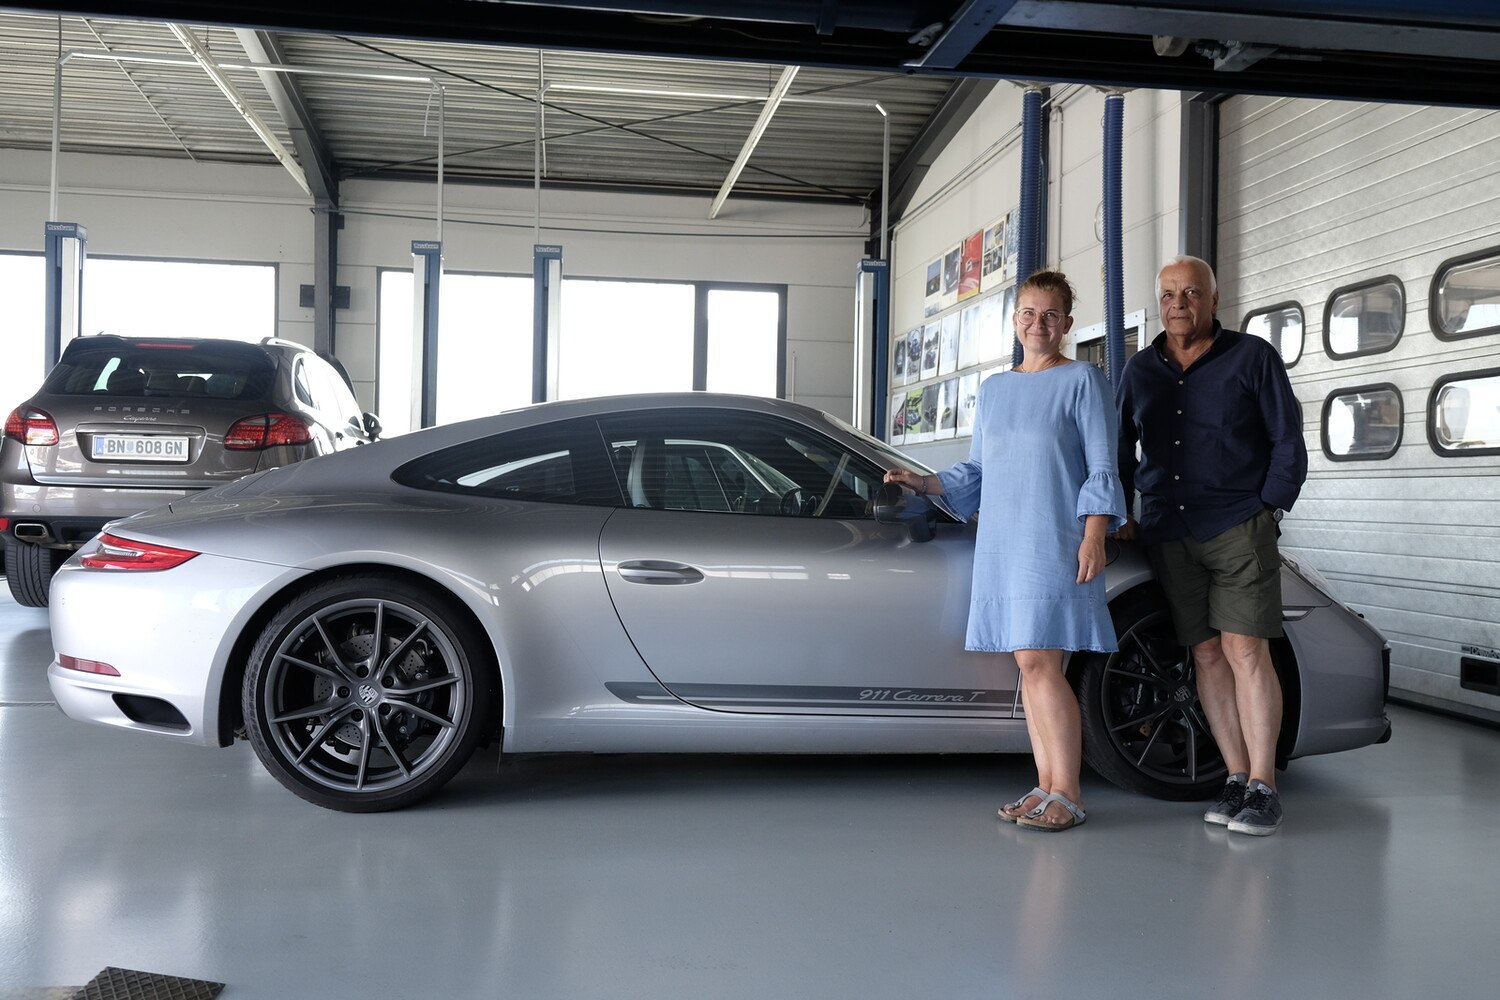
{"x":590,"y":461}
{"x":1351,"y":390}
{"x":646,"y":416}
{"x":1434,"y":316}
{"x":1333,"y":296}
{"x":1431,"y":417}
{"x":1278,"y":307}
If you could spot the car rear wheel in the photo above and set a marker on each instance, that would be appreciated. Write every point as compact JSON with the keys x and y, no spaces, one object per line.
{"x":1143,"y":728}
{"x":29,"y":569}
{"x":365,"y":694}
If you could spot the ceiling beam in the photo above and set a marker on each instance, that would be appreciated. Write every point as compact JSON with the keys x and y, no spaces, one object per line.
{"x":200,"y":54}
{"x":318,"y":164}
{"x":886,"y":35}
{"x":974,"y":20}
{"x":767,"y":112}
{"x":956,"y":107}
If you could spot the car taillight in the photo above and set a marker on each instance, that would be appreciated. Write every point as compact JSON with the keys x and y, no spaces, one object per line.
{"x":115,"y":552}
{"x":31,"y":426}
{"x":87,"y":666}
{"x":267,"y":431}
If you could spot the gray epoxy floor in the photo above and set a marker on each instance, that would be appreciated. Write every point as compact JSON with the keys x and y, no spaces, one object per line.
{"x":692,"y":877}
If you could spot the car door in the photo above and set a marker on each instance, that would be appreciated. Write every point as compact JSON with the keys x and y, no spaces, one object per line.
{"x":751,"y":575}
{"x":337,"y":413}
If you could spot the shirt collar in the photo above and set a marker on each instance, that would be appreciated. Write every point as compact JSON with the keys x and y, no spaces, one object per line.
{"x":1160,"y":344}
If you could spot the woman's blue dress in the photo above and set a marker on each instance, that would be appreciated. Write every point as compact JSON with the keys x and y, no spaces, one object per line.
{"x":1042,"y":460}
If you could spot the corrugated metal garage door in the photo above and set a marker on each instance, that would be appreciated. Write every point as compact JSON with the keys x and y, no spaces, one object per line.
{"x":1318,"y":196}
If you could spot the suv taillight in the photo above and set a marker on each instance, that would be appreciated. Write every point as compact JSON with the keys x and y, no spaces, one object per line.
{"x":31,"y":426}
{"x":115,"y":552}
{"x":267,"y":431}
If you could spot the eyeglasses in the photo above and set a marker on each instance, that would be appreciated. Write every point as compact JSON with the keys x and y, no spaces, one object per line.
{"x":1030,"y":317}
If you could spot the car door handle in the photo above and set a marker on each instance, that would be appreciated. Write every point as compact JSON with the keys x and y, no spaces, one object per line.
{"x":658,"y":572}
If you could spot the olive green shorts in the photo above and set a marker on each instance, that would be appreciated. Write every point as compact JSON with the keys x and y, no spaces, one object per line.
{"x":1230,"y":583}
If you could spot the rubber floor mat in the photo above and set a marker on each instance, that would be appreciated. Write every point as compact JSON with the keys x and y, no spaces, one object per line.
{"x":128,"y":984}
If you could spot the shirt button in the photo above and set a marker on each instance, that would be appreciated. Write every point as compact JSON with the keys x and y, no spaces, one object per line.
{"x":1177,"y":442}
{"x":1179,"y":413}
{"x":1182,"y":508}
{"x":1179,"y":381}
{"x":1176,"y":477}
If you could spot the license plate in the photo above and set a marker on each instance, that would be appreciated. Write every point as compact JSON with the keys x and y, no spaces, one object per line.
{"x":140,"y":448}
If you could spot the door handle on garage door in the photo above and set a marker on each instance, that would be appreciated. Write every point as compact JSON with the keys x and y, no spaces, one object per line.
{"x":658,"y":572}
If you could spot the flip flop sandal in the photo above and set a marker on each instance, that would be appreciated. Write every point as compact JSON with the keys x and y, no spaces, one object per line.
{"x":1033,"y":819}
{"x":1012,"y":811}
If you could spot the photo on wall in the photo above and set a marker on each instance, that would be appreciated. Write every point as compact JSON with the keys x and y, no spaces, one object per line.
{"x":948,"y":345}
{"x":968,"y":403}
{"x":898,"y":417}
{"x":992,"y":265}
{"x":898,"y":359}
{"x":968,"y":334}
{"x":914,"y":417}
{"x":952,"y":262}
{"x":931,"y":336}
{"x":932,"y":303}
{"x":1012,"y":244}
{"x":947,"y":408}
{"x":968,"y":265}
{"x":992,"y":327}
{"x":927,"y":412}
{"x":914,"y":355}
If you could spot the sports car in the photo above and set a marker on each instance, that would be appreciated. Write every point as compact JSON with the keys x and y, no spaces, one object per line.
{"x":651,"y":573}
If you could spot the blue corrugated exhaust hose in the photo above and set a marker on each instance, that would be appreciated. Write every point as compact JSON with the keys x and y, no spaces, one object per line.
{"x":1027,"y":243}
{"x":1114,"y":256}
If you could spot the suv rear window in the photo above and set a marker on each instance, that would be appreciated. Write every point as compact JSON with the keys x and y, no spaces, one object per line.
{"x":190,"y":370}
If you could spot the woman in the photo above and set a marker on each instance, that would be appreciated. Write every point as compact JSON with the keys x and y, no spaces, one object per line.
{"x":1045,"y":430}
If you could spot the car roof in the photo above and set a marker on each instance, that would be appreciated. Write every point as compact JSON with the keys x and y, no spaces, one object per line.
{"x":113,"y":341}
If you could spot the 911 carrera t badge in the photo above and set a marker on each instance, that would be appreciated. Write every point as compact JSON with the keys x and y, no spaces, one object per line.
{"x":797,"y":698}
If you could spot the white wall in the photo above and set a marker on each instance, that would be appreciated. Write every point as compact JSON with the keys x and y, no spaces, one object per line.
{"x":136,"y":206}
{"x":977,"y":179}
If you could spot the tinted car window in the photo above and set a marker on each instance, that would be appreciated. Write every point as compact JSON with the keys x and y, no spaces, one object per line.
{"x":302,"y":387}
{"x":707,"y":460}
{"x":562,"y":464}
{"x":213,"y":371}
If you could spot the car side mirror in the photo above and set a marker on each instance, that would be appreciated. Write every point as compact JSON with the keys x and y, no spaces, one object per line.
{"x":372,"y":425}
{"x":894,"y":507}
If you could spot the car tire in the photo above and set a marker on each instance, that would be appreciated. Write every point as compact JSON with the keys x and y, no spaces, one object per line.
{"x":29,"y":569}
{"x":1143,"y":728}
{"x":367,"y":693}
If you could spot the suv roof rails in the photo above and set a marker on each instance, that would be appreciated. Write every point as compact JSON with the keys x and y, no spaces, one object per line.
{"x":280,"y":342}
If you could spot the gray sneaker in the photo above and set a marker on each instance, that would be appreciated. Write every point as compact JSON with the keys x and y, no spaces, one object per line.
{"x":1261,"y":815}
{"x":1231,"y":801}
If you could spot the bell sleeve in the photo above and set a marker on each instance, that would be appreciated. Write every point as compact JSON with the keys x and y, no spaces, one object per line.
{"x":1101,"y":492}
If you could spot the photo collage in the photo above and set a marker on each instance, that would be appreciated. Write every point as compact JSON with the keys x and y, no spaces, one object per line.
{"x":936,"y":368}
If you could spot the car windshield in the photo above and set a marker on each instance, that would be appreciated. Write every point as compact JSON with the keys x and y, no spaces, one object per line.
{"x":162,"y":368}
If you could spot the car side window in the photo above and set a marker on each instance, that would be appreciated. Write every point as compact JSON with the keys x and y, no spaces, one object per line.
{"x":709,"y":460}
{"x":301,"y":387}
{"x":558,"y":464}
{"x":338,"y":402}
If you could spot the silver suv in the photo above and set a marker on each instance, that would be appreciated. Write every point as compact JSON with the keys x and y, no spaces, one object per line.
{"x":123,"y":424}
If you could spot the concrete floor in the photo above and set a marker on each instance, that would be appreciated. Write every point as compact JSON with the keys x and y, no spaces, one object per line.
{"x":693,"y":877}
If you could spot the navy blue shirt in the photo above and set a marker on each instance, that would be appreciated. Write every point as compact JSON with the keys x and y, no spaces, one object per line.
{"x":1219,"y":442}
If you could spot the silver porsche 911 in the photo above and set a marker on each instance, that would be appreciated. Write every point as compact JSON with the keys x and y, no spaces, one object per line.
{"x":645,"y":573}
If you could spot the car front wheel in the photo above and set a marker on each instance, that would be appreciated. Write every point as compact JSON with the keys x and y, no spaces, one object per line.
{"x":365,"y":694}
{"x":1143,"y":728}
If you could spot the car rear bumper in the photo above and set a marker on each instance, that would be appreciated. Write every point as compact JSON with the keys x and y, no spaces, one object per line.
{"x":71,"y":515}
{"x":1344,"y":675}
{"x":170,"y":643}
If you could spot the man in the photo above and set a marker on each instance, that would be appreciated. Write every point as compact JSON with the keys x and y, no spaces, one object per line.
{"x":1221,"y":455}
